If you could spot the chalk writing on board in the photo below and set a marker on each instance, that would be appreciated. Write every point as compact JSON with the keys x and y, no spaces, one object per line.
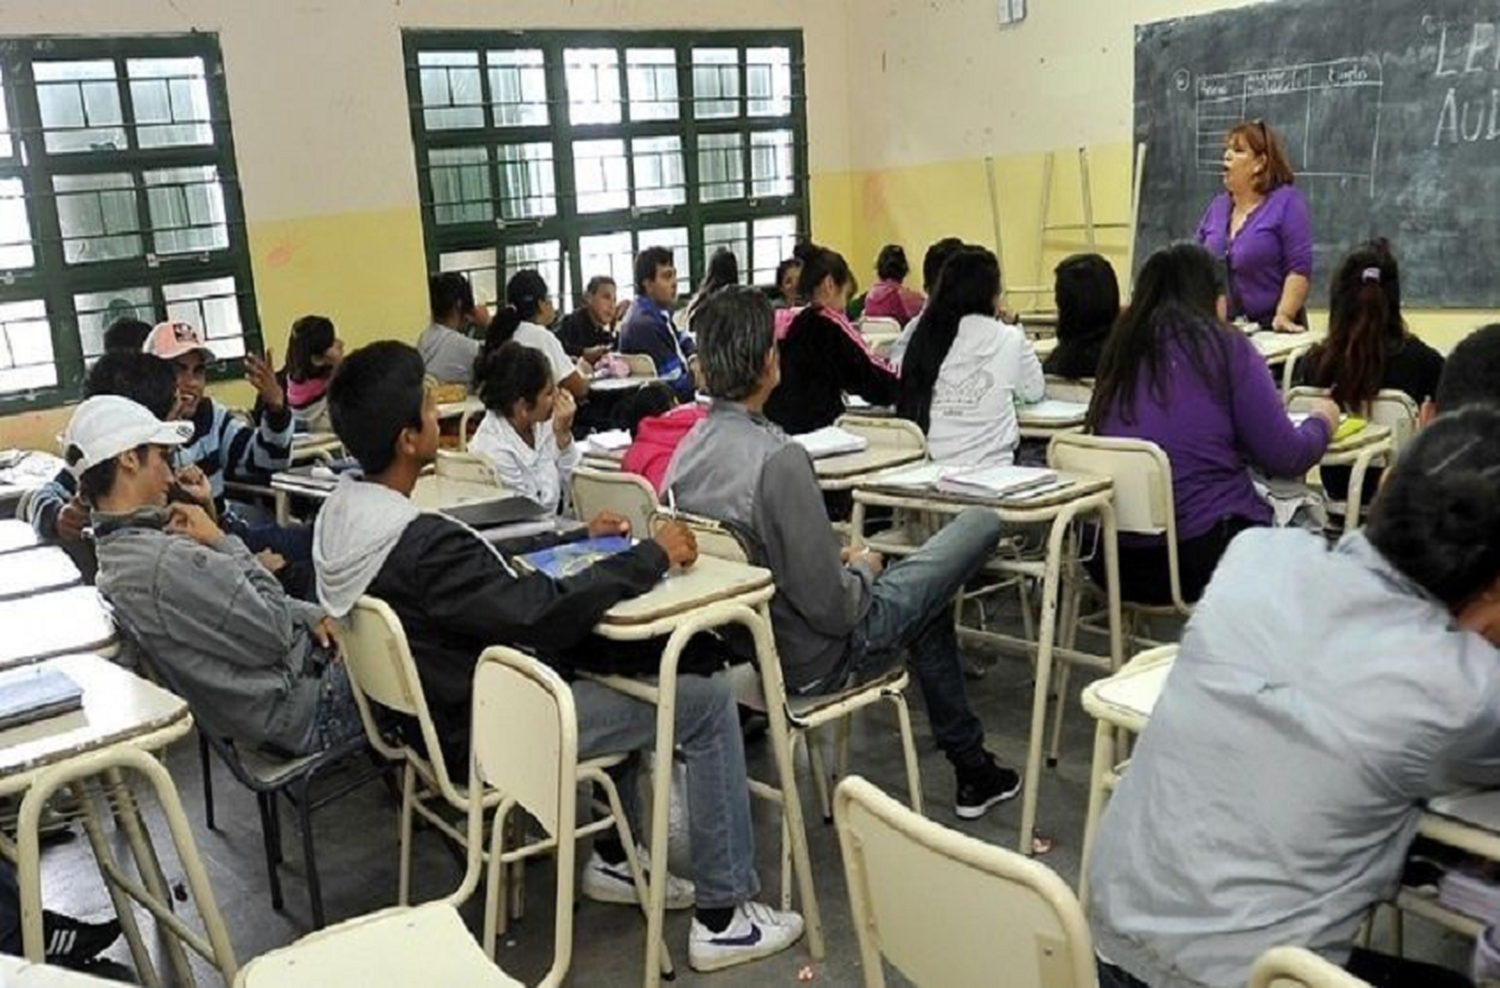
{"x":1299,"y":102}
{"x":1468,"y":113}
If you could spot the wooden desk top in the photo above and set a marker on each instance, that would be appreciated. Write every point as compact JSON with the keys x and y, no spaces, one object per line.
{"x":47,"y":624}
{"x":709,"y":581}
{"x":433,"y":493}
{"x":606,"y":384}
{"x":312,"y":445}
{"x":455,"y":409}
{"x":16,"y":534}
{"x":1276,"y":347}
{"x":32,"y":571}
{"x":872,"y":459}
{"x":118,"y":706}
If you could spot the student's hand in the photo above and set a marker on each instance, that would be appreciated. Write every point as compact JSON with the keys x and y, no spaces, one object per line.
{"x":678,"y":542}
{"x":563,"y":410}
{"x":274,"y":562}
{"x":322,"y":633}
{"x":593,"y":353}
{"x":72,"y":519}
{"x":193,"y":521}
{"x":195,"y":482}
{"x":873,"y":561}
{"x":1327,"y":411}
{"x":261,"y":377}
{"x":608,"y":523}
{"x":1286,"y":324}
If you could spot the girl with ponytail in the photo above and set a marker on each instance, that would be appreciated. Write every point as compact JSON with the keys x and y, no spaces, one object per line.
{"x":1369,"y":347}
{"x":525,"y":318}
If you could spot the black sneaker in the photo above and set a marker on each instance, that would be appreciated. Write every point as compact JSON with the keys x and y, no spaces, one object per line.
{"x":983,"y":784}
{"x":72,"y":942}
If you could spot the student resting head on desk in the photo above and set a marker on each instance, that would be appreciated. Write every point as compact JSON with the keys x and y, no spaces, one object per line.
{"x":455,"y":595}
{"x":1319,"y":698}
{"x":657,"y":425}
{"x":1174,"y":374}
{"x":965,"y":368}
{"x":841,"y":616}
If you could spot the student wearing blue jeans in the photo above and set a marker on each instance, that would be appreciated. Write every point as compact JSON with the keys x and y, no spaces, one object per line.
{"x":456,"y":595}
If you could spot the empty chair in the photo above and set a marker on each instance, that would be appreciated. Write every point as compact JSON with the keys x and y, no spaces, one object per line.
{"x":948,"y":909}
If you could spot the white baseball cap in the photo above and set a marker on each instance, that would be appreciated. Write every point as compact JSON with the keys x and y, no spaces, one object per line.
{"x":105,"y":426}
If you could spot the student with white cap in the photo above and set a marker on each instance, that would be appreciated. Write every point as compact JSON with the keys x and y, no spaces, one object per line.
{"x":256,"y":664}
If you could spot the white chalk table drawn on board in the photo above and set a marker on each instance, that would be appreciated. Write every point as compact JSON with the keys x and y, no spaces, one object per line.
{"x":1296,"y":100}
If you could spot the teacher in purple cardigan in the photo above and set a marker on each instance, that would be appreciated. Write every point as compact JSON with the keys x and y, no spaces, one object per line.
{"x":1259,"y":228}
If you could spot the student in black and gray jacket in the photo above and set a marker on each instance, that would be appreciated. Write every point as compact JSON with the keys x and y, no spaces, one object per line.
{"x":841,"y":616}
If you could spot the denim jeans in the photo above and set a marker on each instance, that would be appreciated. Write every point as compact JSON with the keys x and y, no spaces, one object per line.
{"x":911,"y":615}
{"x":336,"y":718}
{"x":718,"y":797}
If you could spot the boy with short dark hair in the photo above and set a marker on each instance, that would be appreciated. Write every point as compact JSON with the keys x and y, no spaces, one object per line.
{"x":650,"y":329}
{"x":456,"y":595}
{"x":588,"y":331}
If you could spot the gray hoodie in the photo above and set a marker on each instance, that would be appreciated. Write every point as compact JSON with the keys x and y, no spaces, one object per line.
{"x":220,"y":622}
{"x":356,"y":530}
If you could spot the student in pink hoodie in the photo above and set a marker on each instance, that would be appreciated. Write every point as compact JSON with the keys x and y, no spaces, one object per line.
{"x":657,"y":424}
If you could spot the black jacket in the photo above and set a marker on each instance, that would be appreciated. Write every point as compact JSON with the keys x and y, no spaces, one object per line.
{"x":578,"y":332}
{"x":455,"y":599}
{"x":820,"y":361}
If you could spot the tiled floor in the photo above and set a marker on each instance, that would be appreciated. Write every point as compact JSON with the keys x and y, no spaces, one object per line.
{"x":357,"y":851}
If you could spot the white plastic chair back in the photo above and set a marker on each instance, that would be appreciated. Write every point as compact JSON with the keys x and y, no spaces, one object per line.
{"x":467,"y":467}
{"x":627,"y":495}
{"x":885,"y":431}
{"x":947,"y":909}
{"x":641,"y":364}
{"x":1391,"y":408}
{"x":1296,"y":967}
{"x":879,"y":326}
{"x":712,"y":537}
{"x":525,"y":735}
{"x":1067,"y":389}
{"x":1141,"y":473}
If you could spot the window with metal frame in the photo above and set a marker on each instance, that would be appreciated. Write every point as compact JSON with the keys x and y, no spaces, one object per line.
{"x":119,"y":196}
{"x":571,"y":151}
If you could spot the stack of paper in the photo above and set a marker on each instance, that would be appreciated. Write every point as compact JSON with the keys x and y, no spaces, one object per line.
{"x":924,"y":476}
{"x":1472,"y":892}
{"x":997,"y":481}
{"x":831,"y":441}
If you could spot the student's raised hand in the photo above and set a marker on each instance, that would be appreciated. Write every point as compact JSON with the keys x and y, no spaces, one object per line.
{"x":193,"y":521}
{"x":72,"y":519}
{"x":563,"y":410}
{"x":678,"y":542}
{"x":261,"y":377}
{"x":1327,"y":411}
{"x":608,"y":523}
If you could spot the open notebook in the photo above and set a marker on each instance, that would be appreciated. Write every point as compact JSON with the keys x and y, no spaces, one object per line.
{"x":831,"y":441}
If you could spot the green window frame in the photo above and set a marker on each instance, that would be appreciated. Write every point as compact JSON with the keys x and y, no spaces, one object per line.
{"x":569,"y":151}
{"x":119,"y":195}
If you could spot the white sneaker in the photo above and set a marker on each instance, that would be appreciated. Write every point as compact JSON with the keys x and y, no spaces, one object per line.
{"x":604,"y":882}
{"x":756,"y":931}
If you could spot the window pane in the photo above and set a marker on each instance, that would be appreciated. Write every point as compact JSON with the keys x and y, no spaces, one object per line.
{"x":716,"y":83}
{"x":80,"y":104}
{"x":518,"y":88}
{"x":612,"y":254}
{"x":187,"y":210}
{"x":451,"y":93}
{"x":528,"y":186}
{"x":600,"y":174}
{"x":545,"y":257}
{"x":721,"y":167}
{"x":652,"y":73}
{"x":98,"y":217}
{"x":461,"y":191}
{"x":771,"y":167}
{"x":676,"y":240}
{"x":96,"y":310}
{"x":659,"y":179}
{"x":170,"y":100}
{"x":773,"y":241}
{"x":15,"y":227}
{"x":768,"y":77}
{"x":25,"y":347}
{"x":479,"y":267}
{"x":593,"y":85}
{"x":6,"y":148}
{"x":734,"y":237}
{"x":214,"y":308}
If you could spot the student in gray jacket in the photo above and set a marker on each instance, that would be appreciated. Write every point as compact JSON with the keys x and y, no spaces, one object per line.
{"x":256,"y":664}
{"x":1319,"y":698}
{"x":841,"y":618}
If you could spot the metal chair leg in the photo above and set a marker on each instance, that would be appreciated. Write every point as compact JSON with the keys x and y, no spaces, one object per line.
{"x":273,"y":853}
{"x":309,"y":856}
{"x":206,"y":762}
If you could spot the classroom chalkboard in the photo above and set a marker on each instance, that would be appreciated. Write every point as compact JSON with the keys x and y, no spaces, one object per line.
{"x":1390,"y":112}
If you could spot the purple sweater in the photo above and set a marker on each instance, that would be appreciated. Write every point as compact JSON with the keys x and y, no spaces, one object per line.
{"x":1213,"y":439}
{"x":1275,"y":241}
